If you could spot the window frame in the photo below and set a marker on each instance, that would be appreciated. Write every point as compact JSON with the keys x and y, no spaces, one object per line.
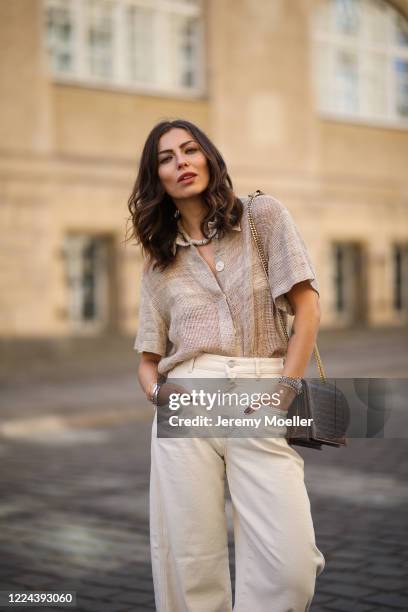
{"x":332,"y":42}
{"x":75,"y":243}
{"x":121,"y":78}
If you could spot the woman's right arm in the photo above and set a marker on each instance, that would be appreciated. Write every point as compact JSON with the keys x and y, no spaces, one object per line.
{"x":147,"y":372}
{"x":152,"y":334}
{"x":148,"y":375}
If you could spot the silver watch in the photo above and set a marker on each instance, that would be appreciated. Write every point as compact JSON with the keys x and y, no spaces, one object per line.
{"x":293,"y":383}
{"x":155,"y":393}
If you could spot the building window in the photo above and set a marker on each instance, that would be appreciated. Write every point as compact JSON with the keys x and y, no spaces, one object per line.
{"x":361,"y":60}
{"x":99,"y":38}
{"x":400,"y":266}
{"x":60,"y":36}
{"x":339,"y":287}
{"x":186,"y":34}
{"x":87,"y":280}
{"x":151,"y":45}
{"x":349,"y":282}
{"x":140,"y":32}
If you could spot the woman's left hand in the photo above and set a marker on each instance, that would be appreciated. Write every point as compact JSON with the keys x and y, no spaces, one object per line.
{"x":286,"y":396}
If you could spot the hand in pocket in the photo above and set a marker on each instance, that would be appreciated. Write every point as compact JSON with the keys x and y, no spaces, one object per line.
{"x":167,"y":389}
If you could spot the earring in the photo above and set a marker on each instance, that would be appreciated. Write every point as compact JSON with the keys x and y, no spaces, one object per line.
{"x":177,"y":213}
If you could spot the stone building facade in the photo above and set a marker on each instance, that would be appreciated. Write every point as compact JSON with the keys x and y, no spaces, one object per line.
{"x":306,"y":99}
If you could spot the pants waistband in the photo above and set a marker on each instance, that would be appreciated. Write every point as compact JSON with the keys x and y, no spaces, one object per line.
{"x":250,"y":365}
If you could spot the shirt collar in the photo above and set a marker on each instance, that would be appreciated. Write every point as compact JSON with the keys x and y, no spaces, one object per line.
{"x":179,"y":240}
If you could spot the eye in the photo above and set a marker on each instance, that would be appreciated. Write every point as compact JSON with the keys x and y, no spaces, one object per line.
{"x":164,"y":159}
{"x":191,"y":150}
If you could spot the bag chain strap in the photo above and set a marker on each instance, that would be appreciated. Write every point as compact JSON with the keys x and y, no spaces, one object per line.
{"x":264,"y":262}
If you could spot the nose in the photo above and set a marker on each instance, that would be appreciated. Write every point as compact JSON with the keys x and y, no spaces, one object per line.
{"x":182,"y":162}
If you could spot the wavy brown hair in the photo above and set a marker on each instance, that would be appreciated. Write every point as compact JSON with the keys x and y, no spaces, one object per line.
{"x":152,"y":210}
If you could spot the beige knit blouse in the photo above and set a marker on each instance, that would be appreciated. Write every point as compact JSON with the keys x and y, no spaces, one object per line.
{"x":187,"y":310}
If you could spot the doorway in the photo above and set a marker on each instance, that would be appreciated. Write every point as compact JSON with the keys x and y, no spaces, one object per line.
{"x":89,"y":278}
{"x":349,"y":283}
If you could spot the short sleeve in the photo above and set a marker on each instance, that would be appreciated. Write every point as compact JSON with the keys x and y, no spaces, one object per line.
{"x":289,"y":261}
{"x":152,"y":331}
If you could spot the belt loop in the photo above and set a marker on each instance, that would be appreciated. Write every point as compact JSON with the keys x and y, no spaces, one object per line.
{"x":230,"y":374}
{"x":191,"y":366}
{"x":257,"y":368}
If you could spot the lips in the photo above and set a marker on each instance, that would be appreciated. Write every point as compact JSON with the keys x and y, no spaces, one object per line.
{"x":186,"y":176}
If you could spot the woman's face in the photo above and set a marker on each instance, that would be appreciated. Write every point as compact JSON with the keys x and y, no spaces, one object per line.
{"x":183,"y":167}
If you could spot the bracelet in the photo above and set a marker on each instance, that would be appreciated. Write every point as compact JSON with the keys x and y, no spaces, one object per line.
{"x":293,"y":383}
{"x":155,"y":393}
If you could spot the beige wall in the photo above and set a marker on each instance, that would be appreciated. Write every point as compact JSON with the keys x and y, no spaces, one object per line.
{"x":69,"y":156}
{"x":113,"y":125}
{"x":26,"y":120}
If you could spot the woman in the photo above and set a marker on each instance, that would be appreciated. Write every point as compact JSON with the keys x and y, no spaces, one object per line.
{"x":206,"y":310}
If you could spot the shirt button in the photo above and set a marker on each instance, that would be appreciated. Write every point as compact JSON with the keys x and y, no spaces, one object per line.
{"x":219,"y":266}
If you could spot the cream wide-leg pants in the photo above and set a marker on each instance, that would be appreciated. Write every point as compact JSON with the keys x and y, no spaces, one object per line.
{"x":276,"y":556}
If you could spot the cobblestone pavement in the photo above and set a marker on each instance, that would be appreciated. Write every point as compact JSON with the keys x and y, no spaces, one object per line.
{"x":74,"y":489}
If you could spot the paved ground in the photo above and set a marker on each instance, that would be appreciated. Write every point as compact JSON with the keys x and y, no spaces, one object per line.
{"x":74,"y":451}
